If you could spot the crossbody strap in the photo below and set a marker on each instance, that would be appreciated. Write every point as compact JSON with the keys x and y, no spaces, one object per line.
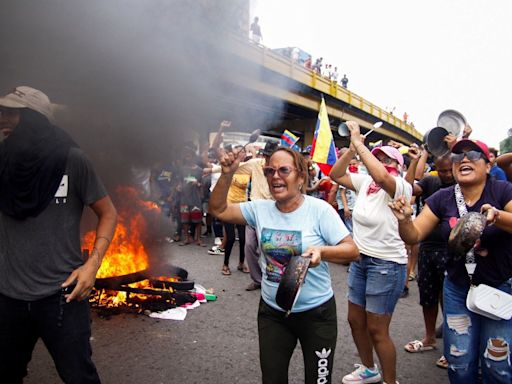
{"x":463,"y":210}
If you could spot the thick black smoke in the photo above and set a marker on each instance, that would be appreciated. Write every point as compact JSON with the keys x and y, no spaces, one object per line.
{"x":138,"y":77}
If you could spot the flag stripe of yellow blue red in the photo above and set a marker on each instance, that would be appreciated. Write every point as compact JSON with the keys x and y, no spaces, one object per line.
{"x":323,"y":150}
{"x":288,"y":139}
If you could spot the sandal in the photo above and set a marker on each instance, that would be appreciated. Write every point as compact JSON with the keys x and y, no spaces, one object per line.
{"x":442,"y":362}
{"x":243,"y":268}
{"x":225,"y":270}
{"x":418,"y":346}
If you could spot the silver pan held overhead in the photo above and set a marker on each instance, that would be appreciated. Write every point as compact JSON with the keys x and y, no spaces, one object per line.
{"x":343,"y":130}
{"x":453,"y":121}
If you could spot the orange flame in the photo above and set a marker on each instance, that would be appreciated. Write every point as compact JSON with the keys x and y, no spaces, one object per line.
{"x":126,"y":253}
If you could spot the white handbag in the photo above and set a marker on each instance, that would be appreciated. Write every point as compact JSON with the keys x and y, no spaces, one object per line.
{"x":490,"y":302}
{"x":483,"y":299}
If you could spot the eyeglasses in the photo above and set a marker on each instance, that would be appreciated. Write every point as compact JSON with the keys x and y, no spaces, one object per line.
{"x":471,"y":155}
{"x":283,"y":171}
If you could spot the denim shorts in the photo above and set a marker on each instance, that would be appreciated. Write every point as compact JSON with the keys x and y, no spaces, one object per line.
{"x":376,"y":284}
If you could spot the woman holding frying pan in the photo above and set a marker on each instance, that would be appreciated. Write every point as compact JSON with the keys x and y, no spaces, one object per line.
{"x":290,"y":225}
{"x":470,"y":338}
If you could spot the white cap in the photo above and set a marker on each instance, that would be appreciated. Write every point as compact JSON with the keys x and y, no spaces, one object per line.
{"x":27,"y":97}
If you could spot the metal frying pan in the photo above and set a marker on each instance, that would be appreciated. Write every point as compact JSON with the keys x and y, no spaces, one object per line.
{"x":343,"y":130}
{"x":434,"y":139}
{"x":291,"y":282}
{"x":453,"y":121}
{"x":466,"y":232}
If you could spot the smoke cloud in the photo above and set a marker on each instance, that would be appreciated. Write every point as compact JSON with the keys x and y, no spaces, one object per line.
{"x":137,"y":77}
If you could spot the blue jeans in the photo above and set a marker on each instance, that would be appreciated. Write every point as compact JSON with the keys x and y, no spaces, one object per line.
{"x":64,"y":328}
{"x":376,"y":284}
{"x":470,"y":339}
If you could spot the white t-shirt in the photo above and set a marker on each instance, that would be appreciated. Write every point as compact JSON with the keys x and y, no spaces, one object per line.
{"x":284,"y":235}
{"x":375,"y":226}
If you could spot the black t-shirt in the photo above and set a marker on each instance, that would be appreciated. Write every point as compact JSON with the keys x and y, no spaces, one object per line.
{"x":496,"y":267}
{"x":429,"y":186}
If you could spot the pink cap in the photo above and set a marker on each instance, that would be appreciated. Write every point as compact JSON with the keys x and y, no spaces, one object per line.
{"x":390,"y":152}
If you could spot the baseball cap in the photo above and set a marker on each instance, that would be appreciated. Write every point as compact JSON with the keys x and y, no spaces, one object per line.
{"x":390,"y":152}
{"x":476,"y":145}
{"x":27,"y":97}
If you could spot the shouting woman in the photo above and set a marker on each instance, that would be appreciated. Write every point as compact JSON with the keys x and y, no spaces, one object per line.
{"x":292,"y":224}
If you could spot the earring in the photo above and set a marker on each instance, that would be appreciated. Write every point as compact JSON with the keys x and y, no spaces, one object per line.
{"x":300,"y":187}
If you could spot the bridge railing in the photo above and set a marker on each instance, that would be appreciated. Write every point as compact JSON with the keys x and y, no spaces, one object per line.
{"x":286,"y":67}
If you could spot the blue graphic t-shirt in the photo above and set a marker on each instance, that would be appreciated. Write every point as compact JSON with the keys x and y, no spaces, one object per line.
{"x":284,"y":235}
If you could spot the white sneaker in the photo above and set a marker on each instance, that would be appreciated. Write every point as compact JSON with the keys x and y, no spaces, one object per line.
{"x":217,"y":241}
{"x":362,"y":375}
{"x":216,"y":251}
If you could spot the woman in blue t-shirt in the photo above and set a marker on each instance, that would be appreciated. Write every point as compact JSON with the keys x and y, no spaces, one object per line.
{"x":470,"y":338}
{"x":292,"y":224}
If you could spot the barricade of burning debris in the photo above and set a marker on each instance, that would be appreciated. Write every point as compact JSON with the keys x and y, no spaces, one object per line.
{"x":146,"y":291}
{"x":125,"y":281}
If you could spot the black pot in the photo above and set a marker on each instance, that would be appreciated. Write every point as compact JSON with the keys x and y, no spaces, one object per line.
{"x":434,"y":139}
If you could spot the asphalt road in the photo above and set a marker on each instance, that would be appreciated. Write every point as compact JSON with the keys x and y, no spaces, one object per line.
{"x":218,"y":343}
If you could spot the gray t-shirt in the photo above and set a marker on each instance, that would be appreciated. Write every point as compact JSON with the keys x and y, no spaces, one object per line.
{"x":38,"y":254}
{"x":191,"y":195}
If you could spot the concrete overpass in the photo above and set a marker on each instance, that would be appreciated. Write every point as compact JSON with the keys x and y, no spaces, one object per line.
{"x":269,"y":76}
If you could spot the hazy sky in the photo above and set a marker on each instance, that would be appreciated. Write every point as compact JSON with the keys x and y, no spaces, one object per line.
{"x":421,"y":57}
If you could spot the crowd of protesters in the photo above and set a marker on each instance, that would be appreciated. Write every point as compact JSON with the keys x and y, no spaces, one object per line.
{"x":388,"y":199}
{"x":371,"y":211}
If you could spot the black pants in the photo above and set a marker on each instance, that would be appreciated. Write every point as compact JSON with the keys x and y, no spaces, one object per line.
{"x":230,"y":234}
{"x":64,"y":328}
{"x":431,"y":268}
{"x":217,"y":227}
{"x":316,"y":329}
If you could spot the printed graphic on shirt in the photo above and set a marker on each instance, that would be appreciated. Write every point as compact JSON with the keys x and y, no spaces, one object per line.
{"x":279,"y":246}
{"x":62,"y":192}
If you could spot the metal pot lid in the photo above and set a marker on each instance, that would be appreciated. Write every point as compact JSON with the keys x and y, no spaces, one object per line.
{"x":434,"y":139}
{"x":452,"y":120}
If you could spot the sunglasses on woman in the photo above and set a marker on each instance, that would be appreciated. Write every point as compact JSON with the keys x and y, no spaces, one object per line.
{"x":283,"y":171}
{"x":471,"y":155}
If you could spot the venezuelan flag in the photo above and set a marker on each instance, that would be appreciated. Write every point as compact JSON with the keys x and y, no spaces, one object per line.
{"x":323,"y":150}
{"x":288,"y":139}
